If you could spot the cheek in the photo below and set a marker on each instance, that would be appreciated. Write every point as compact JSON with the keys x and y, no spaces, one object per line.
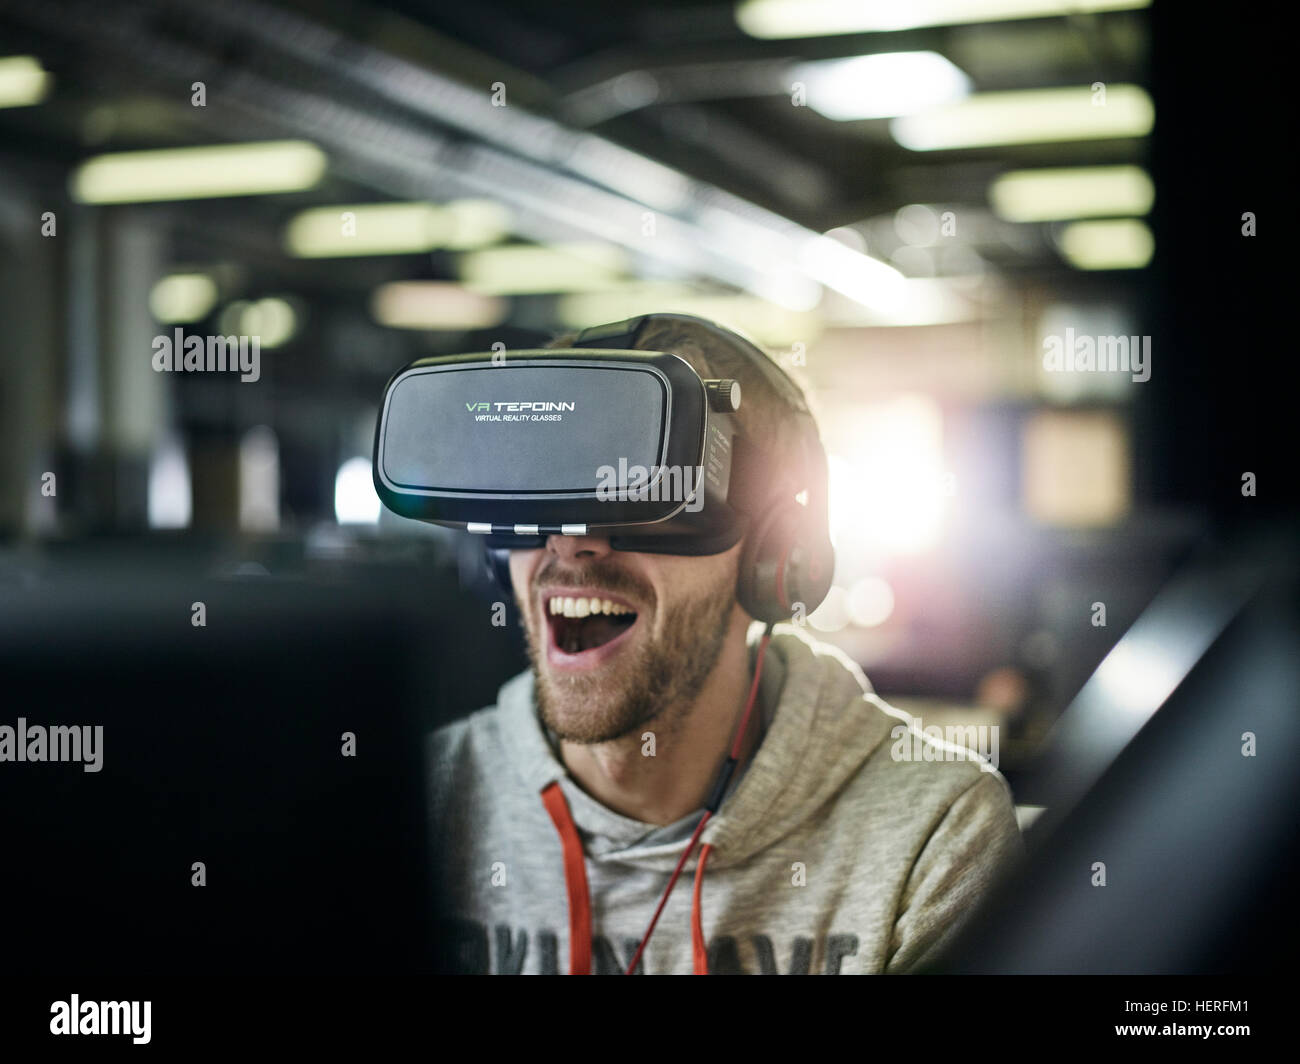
{"x":685,"y":583}
{"x":522,"y":564}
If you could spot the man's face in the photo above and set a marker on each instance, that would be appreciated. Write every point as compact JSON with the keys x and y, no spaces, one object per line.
{"x":647,"y":642}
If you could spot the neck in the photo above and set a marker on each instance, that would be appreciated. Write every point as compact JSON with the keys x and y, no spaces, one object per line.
{"x":691,"y":742}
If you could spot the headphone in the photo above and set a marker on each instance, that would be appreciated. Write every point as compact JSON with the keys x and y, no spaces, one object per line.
{"x":788,"y":560}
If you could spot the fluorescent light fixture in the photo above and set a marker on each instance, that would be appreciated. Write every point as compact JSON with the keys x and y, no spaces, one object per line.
{"x":23,"y":81}
{"x":531,"y":269}
{"x":476,"y":223}
{"x":1032,"y":116}
{"x":1119,"y":244}
{"x":1079,"y":192}
{"x":881,"y":86}
{"x":394,"y":228}
{"x":434,"y":305}
{"x":916,"y":301}
{"x":183,"y":297}
{"x":199,"y":173}
{"x":776,"y":19}
{"x":272,"y":321}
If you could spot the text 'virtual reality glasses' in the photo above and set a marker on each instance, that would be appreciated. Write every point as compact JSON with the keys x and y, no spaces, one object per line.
{"x":523,"y":444}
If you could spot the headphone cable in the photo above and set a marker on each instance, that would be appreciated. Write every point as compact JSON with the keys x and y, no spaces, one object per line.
{"x":715,"y":799}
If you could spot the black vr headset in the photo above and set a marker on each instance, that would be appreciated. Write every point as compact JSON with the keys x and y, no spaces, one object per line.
{"x":602,"y":438}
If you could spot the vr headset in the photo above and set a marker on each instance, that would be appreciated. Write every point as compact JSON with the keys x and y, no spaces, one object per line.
{"x":603,"y":438}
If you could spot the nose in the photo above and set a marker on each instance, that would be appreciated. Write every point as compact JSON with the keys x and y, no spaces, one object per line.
{"x":578,"y":548}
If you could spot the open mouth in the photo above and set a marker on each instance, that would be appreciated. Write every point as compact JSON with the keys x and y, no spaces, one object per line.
{"x":579,"y":624}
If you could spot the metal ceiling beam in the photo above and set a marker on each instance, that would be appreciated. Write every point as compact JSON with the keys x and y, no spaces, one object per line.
{"x":412,"y":132}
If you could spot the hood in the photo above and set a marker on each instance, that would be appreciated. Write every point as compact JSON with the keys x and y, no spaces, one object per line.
{"x":822,"y":722}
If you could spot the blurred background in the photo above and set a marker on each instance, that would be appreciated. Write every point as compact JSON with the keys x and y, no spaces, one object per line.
{"x":901,"y":202}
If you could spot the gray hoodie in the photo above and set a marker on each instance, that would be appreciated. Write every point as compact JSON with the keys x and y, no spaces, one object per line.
{"x":838,"y":850}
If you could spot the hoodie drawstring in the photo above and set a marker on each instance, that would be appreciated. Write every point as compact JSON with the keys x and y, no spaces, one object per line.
{"x":575,"y":882}
{"x":575,"y":868}
{"x":697,"y":923}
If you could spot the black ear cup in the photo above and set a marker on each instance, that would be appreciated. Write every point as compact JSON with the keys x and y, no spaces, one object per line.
{"x":785,"y":566}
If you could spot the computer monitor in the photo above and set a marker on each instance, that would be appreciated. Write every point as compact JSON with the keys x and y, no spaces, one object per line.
{"x":249,"y":795}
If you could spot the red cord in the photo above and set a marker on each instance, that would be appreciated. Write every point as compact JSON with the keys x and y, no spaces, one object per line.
{"x":690,"y":848}
{"x":664,"y":900}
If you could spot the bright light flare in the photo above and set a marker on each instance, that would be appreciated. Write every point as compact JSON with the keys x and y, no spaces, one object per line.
{"x":888,"y":488}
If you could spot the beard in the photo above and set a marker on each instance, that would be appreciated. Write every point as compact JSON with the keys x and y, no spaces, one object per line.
{"x":659,"y":672}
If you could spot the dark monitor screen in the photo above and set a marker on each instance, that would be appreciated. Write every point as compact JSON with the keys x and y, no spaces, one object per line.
{"x":277,"y":746}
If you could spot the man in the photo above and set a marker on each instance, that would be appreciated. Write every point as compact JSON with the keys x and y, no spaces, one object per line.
{"x":561,"y":812}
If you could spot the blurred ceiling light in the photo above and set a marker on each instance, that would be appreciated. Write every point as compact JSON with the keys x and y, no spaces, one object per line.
{"x":848,"y":236}
{"x":833,"y":614}
{"x":767,"y":243}
{"x":530,"y":269}
{"x":183,"y":297}
{"x":917,"y":225}
{"x":395,"y":228}
{"x":825,"y":18}
{"x":864,"y":279}
{"x":916,"y":301}
{"x":914,"y":261}
{"x":199,"y":173}
{"x":170,"y":496}
{"x":272,"y":321}
{"x":232,"y":317}
{"x":355,"y":501}
{"x":636,"y":176}
{"x":881,"y":86}
{"x":871,"y":602}
{"x":1075,"y":192}
{"x":1118,"y":244}
{"x":765,"y":322}
{"x":434,"y":305}
{"x":23,"y":81}
{"x":1031,"y":116}
{"x":259,"y":480}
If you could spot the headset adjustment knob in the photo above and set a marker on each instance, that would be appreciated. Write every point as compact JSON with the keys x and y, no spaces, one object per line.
{"x":724,"y":395}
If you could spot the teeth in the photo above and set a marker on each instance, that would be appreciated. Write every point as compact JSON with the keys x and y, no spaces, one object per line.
{"x":562,"y":605}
